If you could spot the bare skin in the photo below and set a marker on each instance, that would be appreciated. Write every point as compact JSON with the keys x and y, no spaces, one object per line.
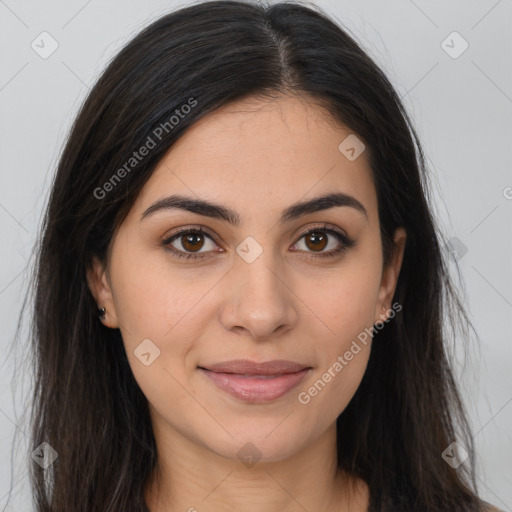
{"x":256,"y":157}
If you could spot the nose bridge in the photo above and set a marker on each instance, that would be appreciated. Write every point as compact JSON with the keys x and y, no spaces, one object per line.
{"x":261,"y":276}
{"x":259,"y":299}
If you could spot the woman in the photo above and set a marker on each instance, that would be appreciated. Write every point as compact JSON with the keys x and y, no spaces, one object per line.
{"x":240,"y":285}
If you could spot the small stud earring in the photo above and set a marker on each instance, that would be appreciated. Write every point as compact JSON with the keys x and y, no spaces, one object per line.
{"x":101,"y":312}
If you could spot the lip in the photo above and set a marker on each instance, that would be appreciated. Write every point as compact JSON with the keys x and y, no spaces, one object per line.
{"x":256,"y":382}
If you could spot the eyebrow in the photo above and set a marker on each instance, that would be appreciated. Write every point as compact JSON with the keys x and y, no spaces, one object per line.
{"x":217,"y":211}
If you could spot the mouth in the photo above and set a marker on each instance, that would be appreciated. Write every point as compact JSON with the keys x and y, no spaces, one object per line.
{"x":256,"y":382}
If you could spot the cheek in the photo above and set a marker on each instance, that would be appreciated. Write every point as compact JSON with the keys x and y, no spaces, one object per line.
{"x":345,"y":303}
{"x":156,"y":299}
{"x":344,"y":299}
{"x":342,"y":365}
{"x":169,"y":306}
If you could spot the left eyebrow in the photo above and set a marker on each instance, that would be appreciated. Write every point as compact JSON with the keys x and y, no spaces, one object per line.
{"x":217,"y":211}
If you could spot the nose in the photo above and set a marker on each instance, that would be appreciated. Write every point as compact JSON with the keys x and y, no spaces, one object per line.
{"x":259,"y":302}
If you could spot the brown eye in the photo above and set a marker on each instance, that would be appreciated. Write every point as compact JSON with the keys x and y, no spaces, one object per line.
{"x":316,"y":240}
{"x":319,"y":238}
{"x":192,"y":241}
{"x":188,"y":243}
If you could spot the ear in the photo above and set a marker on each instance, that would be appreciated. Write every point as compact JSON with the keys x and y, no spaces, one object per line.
{"x":390,"y":276}
{"x":98,"y":282}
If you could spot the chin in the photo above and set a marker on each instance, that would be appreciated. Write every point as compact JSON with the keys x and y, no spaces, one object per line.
{"x":256,"y":445}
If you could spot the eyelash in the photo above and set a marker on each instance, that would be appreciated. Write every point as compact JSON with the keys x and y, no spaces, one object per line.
{"x":346,"y":243}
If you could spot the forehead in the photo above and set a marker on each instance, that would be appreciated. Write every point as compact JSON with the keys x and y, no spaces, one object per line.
{"x":262,"y":153}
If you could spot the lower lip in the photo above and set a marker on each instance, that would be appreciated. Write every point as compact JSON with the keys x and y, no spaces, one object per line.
{"x":256,"y":389}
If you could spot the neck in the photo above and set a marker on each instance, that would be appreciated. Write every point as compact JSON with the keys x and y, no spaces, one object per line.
{"x":190,"y":477}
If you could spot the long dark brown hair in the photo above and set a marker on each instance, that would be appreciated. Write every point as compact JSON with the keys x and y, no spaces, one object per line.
{"x":86,"y":403}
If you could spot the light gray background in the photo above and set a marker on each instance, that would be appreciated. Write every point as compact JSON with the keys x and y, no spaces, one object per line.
{"x":461,"y":108}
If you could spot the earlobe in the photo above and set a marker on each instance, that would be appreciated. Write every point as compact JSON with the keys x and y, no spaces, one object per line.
{"x":390,"y":276}
{"x":97,"y":280}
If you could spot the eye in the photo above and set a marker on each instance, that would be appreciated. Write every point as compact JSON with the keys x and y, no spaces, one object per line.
{"x":189,"y":239}
{"x":318,"y":238}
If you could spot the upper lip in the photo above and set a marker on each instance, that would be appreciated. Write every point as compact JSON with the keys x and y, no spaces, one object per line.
{"x":247,"y":367}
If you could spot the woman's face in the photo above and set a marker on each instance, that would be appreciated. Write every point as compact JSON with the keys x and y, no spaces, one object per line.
{"x":255,"y":286}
